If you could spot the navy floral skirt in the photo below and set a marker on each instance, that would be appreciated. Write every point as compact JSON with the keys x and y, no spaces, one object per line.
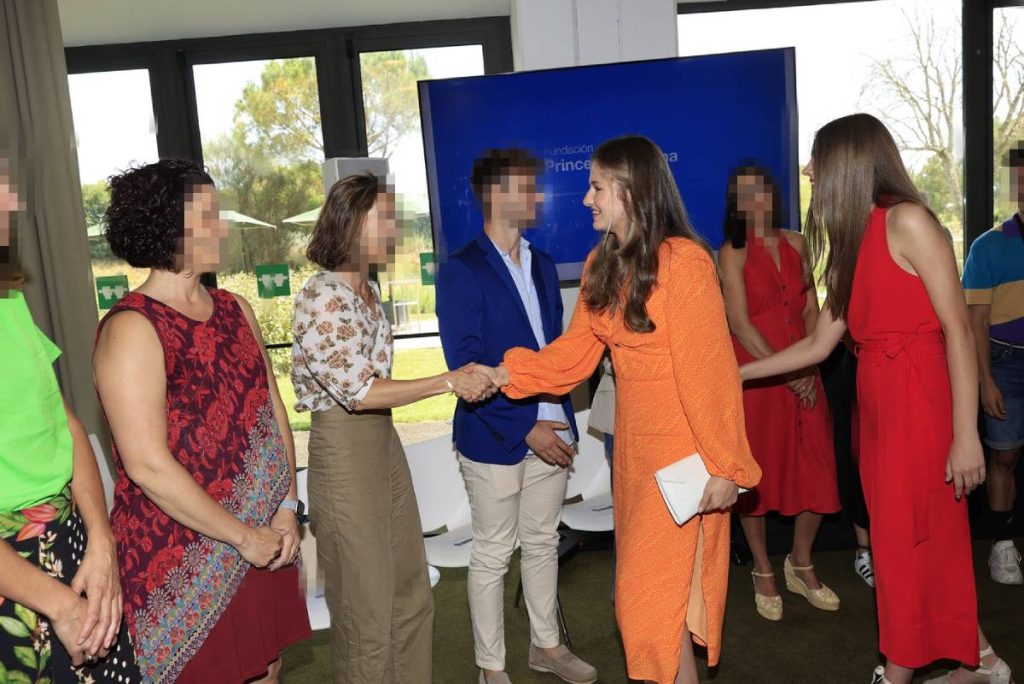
{"x":51,"y":536}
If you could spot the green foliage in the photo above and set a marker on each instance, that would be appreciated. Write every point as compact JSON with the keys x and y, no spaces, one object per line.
{"x":390,"y":100}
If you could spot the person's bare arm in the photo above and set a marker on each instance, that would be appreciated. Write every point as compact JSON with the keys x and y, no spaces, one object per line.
{"x":917,"y":238}
{"x":25,"y":584}
{"x":991,"y":395}
{"x":734,"y":290}
{"x":130,"y":377}
{"x":810,"y":351}
{"x":97,"y":577}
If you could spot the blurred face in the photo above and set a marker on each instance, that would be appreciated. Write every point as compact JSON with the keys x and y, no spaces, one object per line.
{"x":515,"y":200}
{"x":10,"y":202}
{"x":204,"y":230}
{"x":380,"y":231}
{"x":753,"y":196}
{"x":604,"y":202}
{"x":1017,"y":186}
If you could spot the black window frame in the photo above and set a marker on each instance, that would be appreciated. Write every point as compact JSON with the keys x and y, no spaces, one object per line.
{"x":335,"y":51}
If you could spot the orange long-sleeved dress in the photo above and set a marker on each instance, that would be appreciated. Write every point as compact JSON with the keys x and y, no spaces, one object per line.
{"x":678,"y":392}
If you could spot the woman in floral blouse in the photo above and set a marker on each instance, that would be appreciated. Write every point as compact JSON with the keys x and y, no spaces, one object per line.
{"x":362,"y":505}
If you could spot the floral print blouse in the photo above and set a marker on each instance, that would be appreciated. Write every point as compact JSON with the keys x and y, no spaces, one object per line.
{"x":339,"y":344}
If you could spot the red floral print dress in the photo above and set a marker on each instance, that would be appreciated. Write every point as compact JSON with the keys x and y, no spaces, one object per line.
{"x":178,"y":584}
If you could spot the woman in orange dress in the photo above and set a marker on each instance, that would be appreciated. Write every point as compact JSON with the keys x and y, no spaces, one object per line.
{"x":650,"y":294}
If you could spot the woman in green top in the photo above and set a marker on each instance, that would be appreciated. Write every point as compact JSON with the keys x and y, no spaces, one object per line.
{"x":52,"y":581}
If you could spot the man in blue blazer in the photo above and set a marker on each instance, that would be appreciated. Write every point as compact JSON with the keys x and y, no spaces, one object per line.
{"x":495,"y":293}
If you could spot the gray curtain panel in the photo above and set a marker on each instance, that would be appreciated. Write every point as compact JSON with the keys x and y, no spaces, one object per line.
{"x":35,"y":122}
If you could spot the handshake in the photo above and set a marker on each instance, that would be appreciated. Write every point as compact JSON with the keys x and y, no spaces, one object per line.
{"x":475,"y":383}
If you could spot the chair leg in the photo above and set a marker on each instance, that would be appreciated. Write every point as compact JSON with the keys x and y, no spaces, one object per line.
{"x":561,"y":621}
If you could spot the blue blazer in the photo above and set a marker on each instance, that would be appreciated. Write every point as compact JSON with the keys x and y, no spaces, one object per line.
{"x":481,"y":316}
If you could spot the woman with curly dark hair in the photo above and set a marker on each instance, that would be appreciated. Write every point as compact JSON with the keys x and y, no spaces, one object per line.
{"x":650,"y":294}
{"x":204,"y":509}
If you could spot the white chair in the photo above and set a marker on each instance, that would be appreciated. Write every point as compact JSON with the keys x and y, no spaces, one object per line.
{"x":590,"y":480}
{"x":106,"y":477}
{"x":312,"y":576}
{"x":443,"y":502}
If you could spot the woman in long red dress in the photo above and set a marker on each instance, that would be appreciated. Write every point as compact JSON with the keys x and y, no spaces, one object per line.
{"x":204,"y":506}
{"x":891,"y":277}
{"x":770,"y":305}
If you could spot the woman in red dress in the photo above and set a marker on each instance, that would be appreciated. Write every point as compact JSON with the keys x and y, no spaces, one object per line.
{"x":891,"y":277}
{"x":770,"y":305}
{"x":204,"y":506}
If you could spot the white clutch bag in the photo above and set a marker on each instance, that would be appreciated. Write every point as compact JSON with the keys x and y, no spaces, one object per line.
{"x":682,"y":486}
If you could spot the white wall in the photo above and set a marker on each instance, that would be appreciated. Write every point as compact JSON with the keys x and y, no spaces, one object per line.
{"x":549,"y":34}
{"x":97,"y":22}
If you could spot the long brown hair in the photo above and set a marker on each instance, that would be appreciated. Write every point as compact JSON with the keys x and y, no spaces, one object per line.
{"x":856,"y":164}
{"x":338,"y":227}
{"x":624,"y":275}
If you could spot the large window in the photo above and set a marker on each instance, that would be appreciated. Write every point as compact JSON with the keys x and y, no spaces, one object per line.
{"x":262,"y":112}
{"x":392,"y":120}
{"x":114,"y":130}
{"x":1007,"y":100}
{"x":897,"y":59}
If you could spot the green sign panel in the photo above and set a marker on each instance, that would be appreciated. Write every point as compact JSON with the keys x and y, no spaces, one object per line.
{"x":428,"y":268}
{"x":109,"y":289}
{"x":273,"y":280}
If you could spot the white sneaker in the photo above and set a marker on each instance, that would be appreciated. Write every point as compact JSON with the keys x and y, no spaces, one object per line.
{"x":864,"y":569}
{"x":1004,"y":563}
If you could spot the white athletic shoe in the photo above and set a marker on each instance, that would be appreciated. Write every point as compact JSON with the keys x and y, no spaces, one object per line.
{"x":1004,"y":563}
{"x":864,"y":569}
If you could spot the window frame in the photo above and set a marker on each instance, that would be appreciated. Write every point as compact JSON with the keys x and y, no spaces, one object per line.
{"x":976,"y":53}
{"x":335,"y":52}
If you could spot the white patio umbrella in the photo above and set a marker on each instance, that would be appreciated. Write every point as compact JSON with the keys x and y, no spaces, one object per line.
{"x":242,"y":221}
{"x":305,"y":219}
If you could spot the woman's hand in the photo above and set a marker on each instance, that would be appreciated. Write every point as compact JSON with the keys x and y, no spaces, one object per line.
{"x":261,"y":546}
{"x":97,"y":578}
{"x":965,"y":467}
{"x":286,"y":524}
{"x":719,"y":494}
{"x":499,"y":376}
{"x":67,"y":622}
{"x":470,"y":385}
{"x":805,"y":389}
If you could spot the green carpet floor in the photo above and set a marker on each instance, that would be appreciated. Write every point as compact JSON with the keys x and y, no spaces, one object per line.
{"x":807,"y":646}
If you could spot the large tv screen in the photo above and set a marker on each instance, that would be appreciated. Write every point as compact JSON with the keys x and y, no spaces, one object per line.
{"x":708,"y":114}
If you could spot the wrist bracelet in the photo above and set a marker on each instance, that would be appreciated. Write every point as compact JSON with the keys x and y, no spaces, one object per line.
{"x":451,"y":388}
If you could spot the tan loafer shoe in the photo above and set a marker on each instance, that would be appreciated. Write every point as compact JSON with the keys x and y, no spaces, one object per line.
{"x":494,"y":678}
{"x":563,"y":664}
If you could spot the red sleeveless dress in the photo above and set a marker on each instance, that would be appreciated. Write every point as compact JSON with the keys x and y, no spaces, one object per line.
{"x":927,"y":606}
{"x":793,"y":445}
{"x":196,"y":610}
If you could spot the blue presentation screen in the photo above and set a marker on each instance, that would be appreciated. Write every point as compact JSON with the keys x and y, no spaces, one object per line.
{"x":708,"y":114}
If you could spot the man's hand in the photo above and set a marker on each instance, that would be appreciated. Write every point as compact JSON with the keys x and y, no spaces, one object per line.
{"x":992,"y":399}
{"x":286,"y":523}
{"x":97,"y":578}
{"x":549,"y":447}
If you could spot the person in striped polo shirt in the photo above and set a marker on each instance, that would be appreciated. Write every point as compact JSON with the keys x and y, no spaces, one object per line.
{"x":994,"y":283}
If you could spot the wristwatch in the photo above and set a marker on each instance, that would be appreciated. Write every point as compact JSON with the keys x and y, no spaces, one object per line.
{"x":295,"y":506}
